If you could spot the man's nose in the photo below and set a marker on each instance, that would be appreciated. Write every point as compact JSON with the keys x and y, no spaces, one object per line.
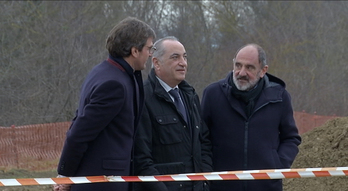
{"x":243,"y":71}
{"x":183,"y":62}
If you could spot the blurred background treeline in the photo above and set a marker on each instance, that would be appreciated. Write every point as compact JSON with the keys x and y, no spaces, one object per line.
{"x":48,"y":47}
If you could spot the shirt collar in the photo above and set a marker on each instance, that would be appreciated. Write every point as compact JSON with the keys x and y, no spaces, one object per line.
{"x":165,"y":85}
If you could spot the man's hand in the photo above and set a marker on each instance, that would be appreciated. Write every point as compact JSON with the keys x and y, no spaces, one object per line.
{"x":61,"y":187}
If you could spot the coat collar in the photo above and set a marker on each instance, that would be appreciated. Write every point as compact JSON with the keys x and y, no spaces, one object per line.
{"x":123,"y":63}
{"x":270,"y":80}
{"x":159,"y":90}
{"x":272,"y":92}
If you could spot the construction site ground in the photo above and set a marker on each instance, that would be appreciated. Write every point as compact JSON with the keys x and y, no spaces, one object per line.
{"x":324,"y":146}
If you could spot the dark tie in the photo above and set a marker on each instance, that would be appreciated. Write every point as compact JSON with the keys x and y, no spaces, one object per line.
{"x":178,"y":102}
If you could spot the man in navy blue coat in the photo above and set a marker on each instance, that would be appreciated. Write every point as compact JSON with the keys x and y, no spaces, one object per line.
{"x":251,"y":122}
{"x":100,"y":139}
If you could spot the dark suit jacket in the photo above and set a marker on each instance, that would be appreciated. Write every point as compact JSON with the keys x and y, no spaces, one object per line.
{"x":166,"y":144}
{"x":100,"y":139}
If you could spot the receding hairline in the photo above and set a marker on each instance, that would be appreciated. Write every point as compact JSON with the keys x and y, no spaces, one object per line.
{"x":260,"y":51}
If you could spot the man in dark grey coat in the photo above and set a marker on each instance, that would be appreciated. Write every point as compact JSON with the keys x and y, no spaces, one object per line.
{"x":100,"y":139}
{"x":168,"y":140}
{"x":250,"y":118}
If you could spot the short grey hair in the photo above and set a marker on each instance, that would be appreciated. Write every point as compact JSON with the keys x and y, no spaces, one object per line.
{"x":158,"y":47}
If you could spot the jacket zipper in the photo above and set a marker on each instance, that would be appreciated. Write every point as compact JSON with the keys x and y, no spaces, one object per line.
{"x":246,"y":131}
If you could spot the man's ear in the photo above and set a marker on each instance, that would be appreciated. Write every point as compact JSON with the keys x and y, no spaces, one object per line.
{"x":134,"y":52}
{"x":155,"y":63}
{"x":264,"y":70}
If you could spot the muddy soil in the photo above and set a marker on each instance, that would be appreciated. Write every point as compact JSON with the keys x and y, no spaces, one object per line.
{"x":324,"y":146}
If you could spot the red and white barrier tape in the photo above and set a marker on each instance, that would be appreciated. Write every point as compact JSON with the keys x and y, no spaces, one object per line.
{"x":226,"y":175}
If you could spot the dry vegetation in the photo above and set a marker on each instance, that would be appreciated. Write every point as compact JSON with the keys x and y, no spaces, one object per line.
{"x":324,"y":146}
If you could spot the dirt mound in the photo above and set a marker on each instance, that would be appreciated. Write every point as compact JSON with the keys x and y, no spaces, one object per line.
{"x":324,"y":146}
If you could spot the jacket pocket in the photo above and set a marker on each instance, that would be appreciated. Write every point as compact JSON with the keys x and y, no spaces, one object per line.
{"x":170,"y":129}
{"x":170,"y":168}
{"x":114,"y":164}
{"x":277,"y":162}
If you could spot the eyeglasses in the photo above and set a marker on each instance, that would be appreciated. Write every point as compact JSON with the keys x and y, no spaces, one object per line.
{"x":151,"y":49}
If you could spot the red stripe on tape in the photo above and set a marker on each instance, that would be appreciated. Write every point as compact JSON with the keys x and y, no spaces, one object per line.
{"x":131,"y":179}
{"x":321,"y":173}
{"x":164,"y":178}
{"x":228,"y":176}
{"x":27,"y":181}
{"x":64,"y":180}
{"x":196,"y":177}
{"x":97,"y":178}
{"x":260,"y":176}
{"x":291,"y":175}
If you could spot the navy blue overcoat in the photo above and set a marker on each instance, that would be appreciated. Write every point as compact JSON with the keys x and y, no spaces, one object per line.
{"x":268,"y":139}
{"x":100,"y":139}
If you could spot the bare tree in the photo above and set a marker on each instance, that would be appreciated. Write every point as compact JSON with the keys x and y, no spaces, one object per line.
{"x":48,"y":47}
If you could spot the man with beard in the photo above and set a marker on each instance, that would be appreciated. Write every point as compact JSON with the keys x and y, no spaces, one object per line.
{"x":250,"y":117}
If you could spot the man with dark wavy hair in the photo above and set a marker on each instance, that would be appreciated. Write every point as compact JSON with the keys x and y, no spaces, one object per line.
{"x":100,"y":138}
